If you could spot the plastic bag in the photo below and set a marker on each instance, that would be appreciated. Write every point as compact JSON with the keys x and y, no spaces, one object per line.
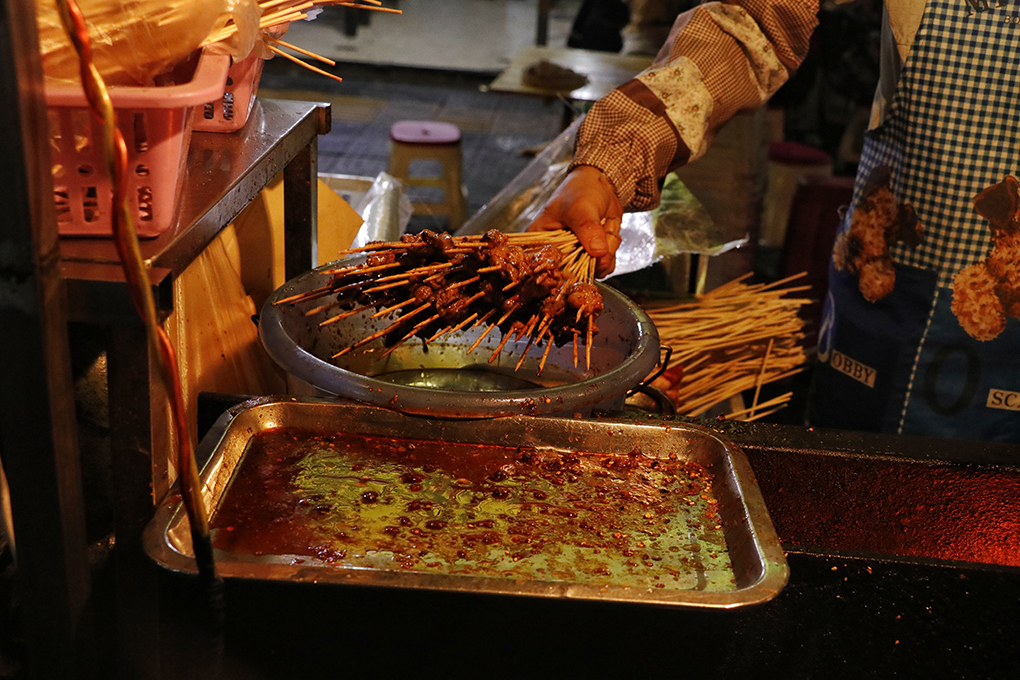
{"x":680,"y":225}
{"x":638,"y":245}
{"x":245,"y":14}
{"x":386,"y":210}
{"x":683,"y":225}
{"x":133,"y":40}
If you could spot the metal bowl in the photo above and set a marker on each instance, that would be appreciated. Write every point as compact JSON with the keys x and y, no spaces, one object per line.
{"x":444,"y":379}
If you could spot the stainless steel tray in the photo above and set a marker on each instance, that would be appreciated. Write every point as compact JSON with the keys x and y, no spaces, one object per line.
{"x":756,"y":568}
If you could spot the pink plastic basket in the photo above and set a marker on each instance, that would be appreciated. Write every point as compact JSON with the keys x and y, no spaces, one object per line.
{"x":230,"y":112}
{"x":156,"y":124}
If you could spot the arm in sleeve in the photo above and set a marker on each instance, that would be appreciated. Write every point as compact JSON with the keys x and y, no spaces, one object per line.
{"x":720,"y":59}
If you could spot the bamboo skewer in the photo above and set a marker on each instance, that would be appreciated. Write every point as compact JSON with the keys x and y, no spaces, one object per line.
{"x":280,"y":12}
{"x":414,"y":329}
{"x":506,"y":336}
{"x":545,"y":354}
{"x":383,"y":332}
{"x":761,"y":374}
{"x":387,"y":310}
{"x":373,"y":8}
{"x":342,"y":316}
{"x":392,"y":287}
{"x":322,"y":308}
{"x":587,"y":347}
{"x":361,"y":270}
{"x":277,"y":12}
{"x":480,"y":338}
{"x":532,"y":322}
{"x":524,"y":354}
{"x":452,"y":329}
{"x":495,"y":325}
{"x":466,"y":282}
{"x":775,"y":401}
{"x":305,"y":64}
{"x":737,"y":337}
{"x":385,"y":286}
{"x":301,"y":50}
{"x":307,"y":295}
{"x":269,"y":4}
{"x":403,"y":277}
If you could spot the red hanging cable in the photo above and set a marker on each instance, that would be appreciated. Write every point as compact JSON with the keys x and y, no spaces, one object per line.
{"x":126,"y":239}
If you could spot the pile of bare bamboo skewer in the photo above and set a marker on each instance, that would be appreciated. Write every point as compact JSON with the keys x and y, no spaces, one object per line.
{"x":735,"y":338}
{"x":278,"y":13}
{"x":533,"y":285}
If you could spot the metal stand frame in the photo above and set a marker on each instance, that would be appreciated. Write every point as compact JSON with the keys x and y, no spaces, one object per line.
{"x":46,"y":282}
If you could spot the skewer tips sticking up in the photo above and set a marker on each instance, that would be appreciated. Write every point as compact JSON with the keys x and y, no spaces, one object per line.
{"x":451,"y":283}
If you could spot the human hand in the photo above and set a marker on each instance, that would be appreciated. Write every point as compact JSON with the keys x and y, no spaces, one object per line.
{"x":586,"y":204}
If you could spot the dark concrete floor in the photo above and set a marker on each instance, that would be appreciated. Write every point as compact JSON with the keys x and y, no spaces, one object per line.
{"x":497,"y":129}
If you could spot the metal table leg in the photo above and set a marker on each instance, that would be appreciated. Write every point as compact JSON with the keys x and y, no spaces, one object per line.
{"x":38,"y":436}
{"x":542,"y":28}
{"x":135,"y":484}
{"x":300,"y":210}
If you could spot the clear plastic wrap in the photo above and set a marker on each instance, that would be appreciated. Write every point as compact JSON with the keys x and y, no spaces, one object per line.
{"x":386,"y":210}
{"x":683,"y":225}
{"x":638,"y":248}
{"x":135,"y":40}
{"x":246,"y":14}
{"x":679,"y":225}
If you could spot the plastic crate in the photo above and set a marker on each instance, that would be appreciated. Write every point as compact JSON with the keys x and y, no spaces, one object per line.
{"x":156,"y":123}
{"x":230,"y":112}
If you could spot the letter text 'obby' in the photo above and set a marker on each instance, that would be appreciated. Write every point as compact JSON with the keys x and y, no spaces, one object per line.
{"x":854,"y":369}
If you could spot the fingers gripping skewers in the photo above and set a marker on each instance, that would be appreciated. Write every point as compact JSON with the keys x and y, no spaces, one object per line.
{"x":534,"y":287}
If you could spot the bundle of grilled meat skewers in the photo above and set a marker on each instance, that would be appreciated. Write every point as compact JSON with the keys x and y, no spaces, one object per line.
{"x":534,"y":285}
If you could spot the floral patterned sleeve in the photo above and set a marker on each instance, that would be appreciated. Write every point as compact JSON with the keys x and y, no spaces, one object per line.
{"x":721,"y":58}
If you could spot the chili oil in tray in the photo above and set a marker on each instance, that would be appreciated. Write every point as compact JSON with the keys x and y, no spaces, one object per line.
{"x":378,"y":502}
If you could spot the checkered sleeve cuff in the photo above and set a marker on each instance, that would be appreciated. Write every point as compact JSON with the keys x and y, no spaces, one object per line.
{"x":632,"y":142}
{"x":720,"y":59}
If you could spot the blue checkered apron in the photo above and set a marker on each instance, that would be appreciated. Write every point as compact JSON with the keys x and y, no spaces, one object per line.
{"x":904,"y":364}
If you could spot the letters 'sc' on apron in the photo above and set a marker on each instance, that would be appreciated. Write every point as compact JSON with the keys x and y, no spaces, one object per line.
{"x":905,"y":363}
